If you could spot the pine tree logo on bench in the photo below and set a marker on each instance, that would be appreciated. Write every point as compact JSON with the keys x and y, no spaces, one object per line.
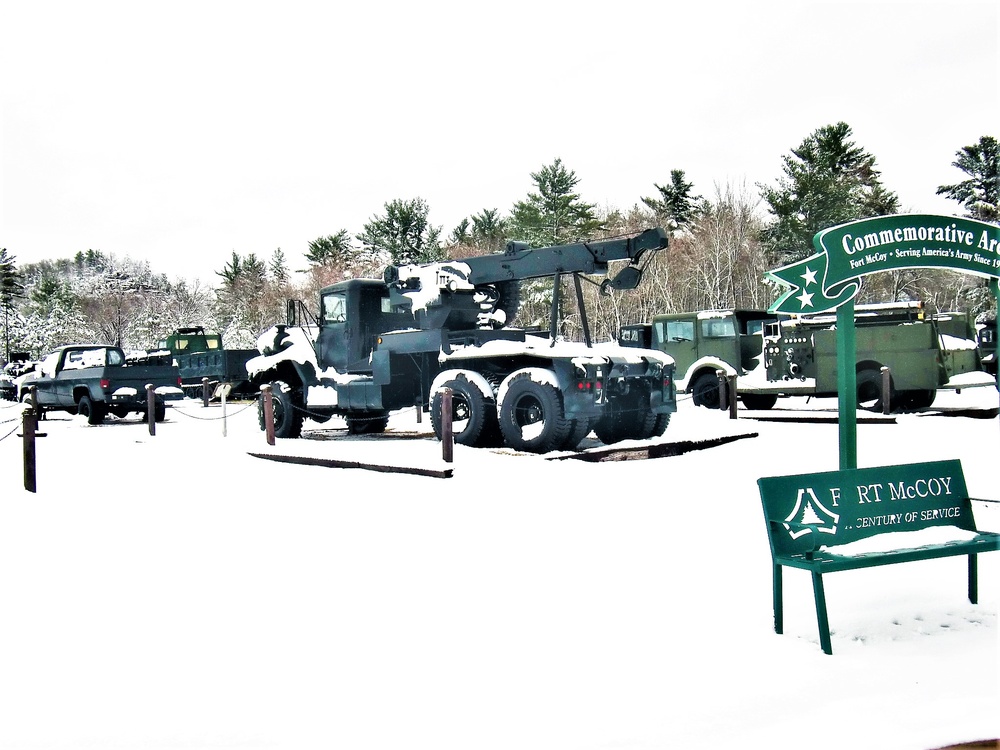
{"x":810,"y":515}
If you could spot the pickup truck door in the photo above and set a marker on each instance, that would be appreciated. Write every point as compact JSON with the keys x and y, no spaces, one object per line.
{"x":45,"y":383}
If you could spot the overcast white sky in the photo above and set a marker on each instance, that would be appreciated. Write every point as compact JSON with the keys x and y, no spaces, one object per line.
{"x":181,"y":132}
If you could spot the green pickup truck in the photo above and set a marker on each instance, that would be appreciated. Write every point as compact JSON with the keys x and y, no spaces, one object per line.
{"x":93,"y":380}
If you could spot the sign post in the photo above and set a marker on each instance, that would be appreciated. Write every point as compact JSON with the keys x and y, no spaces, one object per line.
{"x":831,"y":278}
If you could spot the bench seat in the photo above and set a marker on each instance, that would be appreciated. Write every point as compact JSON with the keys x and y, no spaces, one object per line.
{"x":812,"y":516}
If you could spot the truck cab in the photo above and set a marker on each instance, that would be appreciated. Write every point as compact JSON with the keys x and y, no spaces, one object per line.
{"x":352,"y":315}
{"x":704,"y":342}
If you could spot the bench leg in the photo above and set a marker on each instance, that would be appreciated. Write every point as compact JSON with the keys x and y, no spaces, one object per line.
{"x":821,"y":618}
{"x":779,"y":620}
{"x":973,"y":580}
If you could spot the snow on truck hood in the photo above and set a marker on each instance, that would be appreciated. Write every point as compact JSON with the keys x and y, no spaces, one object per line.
{"x":290,"y":344}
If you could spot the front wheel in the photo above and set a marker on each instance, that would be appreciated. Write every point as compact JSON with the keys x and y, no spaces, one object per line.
{"x":707,"y":392}
{"x":532,"y":417}
{"x":288,"y":412}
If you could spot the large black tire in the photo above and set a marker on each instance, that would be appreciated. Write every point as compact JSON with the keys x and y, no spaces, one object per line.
{"x":94,"y":413}
{"x":628,"y":417}
{"x":705,"y":391}
{"x":473,"y":415}
{"x":159,"y":411}
{"x":580,"y":427}
{"x":660,"y":424}
{"x":759,"y":401}
{"x":368,"y":424}
{"x":532,"y":417}
{"x":288,"y":411}
{"x":869,"y":385}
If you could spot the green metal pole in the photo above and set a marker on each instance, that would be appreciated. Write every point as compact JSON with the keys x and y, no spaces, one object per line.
{"x":995,"y":288}
{"x":847,"y":386}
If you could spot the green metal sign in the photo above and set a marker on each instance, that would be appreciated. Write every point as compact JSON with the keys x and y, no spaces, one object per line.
{"x":830,"y":277}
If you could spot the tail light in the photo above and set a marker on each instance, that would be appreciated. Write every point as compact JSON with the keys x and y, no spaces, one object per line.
{"x":105,"y":384}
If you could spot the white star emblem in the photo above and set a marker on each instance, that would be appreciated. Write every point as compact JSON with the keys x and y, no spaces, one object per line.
{"x":805,"y":299}
{"x":809,"y":276}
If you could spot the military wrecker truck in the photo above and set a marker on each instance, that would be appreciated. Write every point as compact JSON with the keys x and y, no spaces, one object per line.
{"x":780,"y":355}
{"x":385,"y":345}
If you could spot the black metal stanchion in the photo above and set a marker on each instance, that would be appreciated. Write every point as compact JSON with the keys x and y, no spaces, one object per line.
{"x":268,"y":405}
{"x":447,"y":434}
{"x":151,"y":408}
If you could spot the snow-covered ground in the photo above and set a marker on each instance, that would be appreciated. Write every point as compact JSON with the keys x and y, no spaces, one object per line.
{"x":172,"y":591}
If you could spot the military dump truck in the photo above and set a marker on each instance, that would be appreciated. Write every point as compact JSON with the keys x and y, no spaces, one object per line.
{"x":201,"y":355}
{"x":383,"y":345}
{"x":773,"y":356}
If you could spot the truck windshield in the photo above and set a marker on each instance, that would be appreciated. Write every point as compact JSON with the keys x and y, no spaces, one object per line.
{"x":718,"y":328}
{"x":674,"y":330}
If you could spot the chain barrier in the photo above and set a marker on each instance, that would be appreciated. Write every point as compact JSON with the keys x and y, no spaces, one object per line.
{"x":216,"y":419}
{"x":11,"y":432}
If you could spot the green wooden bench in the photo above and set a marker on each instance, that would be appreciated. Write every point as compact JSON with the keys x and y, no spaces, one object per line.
{"x":816,"y":522}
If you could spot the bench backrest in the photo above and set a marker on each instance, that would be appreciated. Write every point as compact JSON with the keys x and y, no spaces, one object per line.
{"x":806,"y":511}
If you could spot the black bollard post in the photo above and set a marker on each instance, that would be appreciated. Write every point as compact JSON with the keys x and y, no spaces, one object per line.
{"x":28,"y":424}
{"x":268,"y":405}
{"x":151,"y":408}
{"x":447,"y":434}
{"x":886,"y":390}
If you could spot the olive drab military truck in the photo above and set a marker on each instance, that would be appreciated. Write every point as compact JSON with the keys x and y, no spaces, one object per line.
{"x":705,"y":342}
{"x":199,"y":355}
{"x":781,"y":355}
{"x":380,"y":346}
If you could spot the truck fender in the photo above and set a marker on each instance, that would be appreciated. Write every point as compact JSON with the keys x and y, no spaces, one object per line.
{"x":538,"y":374}
{"x":472,"y":376}
{"x":705,"y":363}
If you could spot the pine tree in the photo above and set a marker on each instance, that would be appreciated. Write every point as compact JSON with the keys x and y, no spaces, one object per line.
{"x":980,"y":194}
{"x":332,"y":250}
{"x":278,"y":268}
{"x":828,"y":181}
{"x":555,"y":214}
{"x":11,"y":289}
{"x":676,"y":206}
{"x":403,"y":233}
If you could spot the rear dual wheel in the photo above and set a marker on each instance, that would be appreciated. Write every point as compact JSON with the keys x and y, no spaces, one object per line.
{"x":473,"y":415}
{"x":629,"y":417}
{"x":532,"y":416}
